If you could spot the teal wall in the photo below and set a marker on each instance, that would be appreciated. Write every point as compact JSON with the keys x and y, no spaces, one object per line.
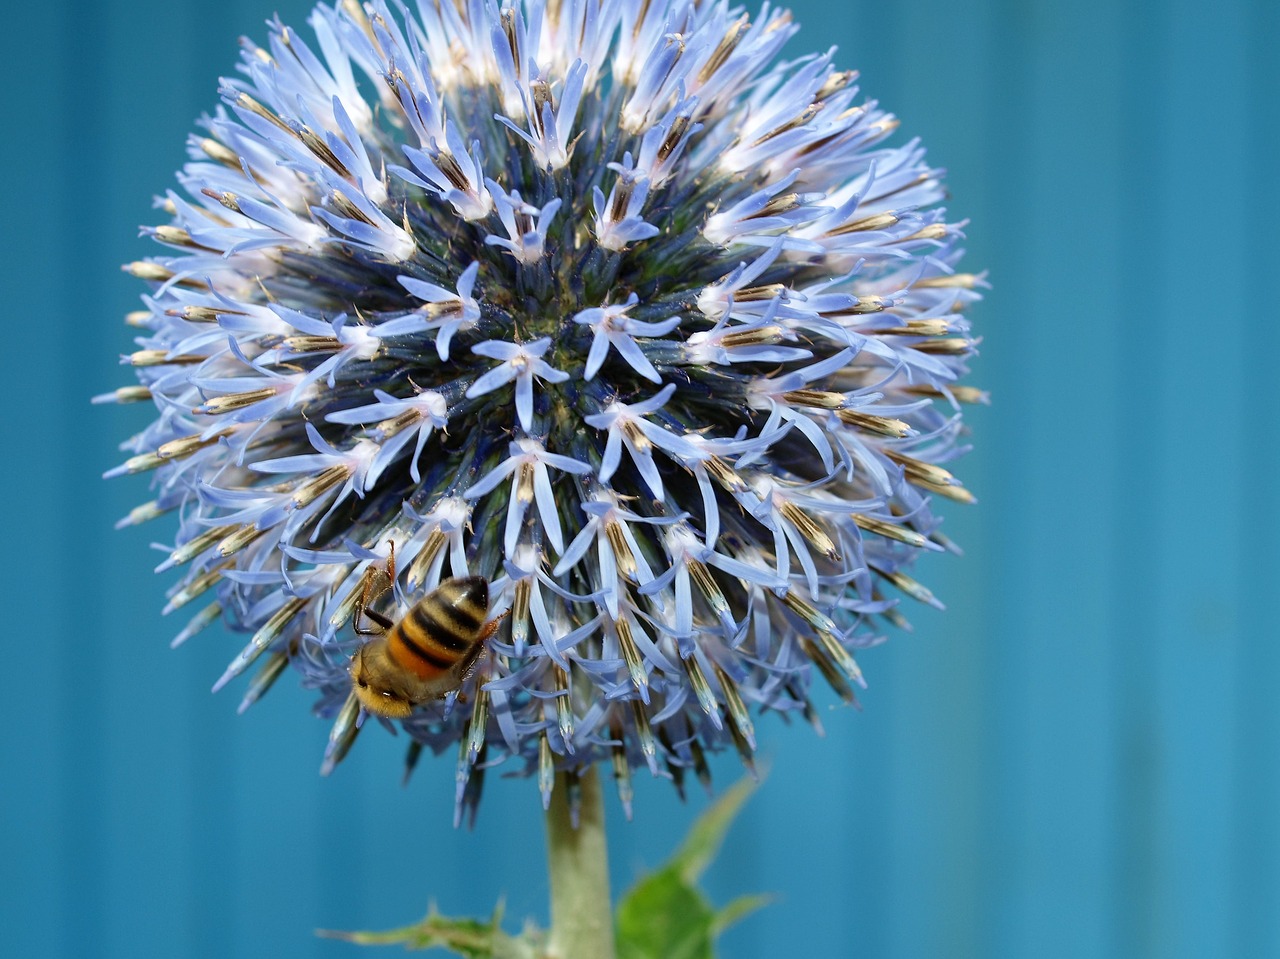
{"x":1080,"y":758}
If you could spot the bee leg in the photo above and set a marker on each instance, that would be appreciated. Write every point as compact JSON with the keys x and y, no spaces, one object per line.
{"x":467,"y":665}
{"x":362,"y":610}
{"x":491,"y":627}
{"x":383,"y":622}
{"x":391,"y":572}
{"x":362,"y":604}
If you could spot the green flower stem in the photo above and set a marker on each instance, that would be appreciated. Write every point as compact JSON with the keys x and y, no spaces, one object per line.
{"x":581,"y":914}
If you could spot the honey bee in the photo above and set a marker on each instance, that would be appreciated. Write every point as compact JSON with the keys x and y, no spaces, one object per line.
{"x":427,"y":653}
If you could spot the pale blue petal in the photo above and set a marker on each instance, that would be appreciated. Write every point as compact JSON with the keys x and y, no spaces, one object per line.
{"x":488,"y":382}
{"x":612,"y":455}
{"x":489,"y":482}
{"x":577,"y":548}
{"x":636,"y":359}
{"x":524,"y":402}
{"x":546,"y":501}
{"x":565,"y":464}
{"x":595,"y":356}
{"x":515,"y":520}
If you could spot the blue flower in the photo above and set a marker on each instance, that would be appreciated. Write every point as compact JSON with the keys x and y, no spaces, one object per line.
{"x":594,"y":300}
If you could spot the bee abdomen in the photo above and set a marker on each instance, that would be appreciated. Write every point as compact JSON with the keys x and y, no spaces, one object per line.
{"x":439,"y":630}
{"x":455,"y":611}
{"x":421,"y":655}
{"x":449,"y":628}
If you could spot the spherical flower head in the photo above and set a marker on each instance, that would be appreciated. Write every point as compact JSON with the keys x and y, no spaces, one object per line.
{"x":652,"y":341}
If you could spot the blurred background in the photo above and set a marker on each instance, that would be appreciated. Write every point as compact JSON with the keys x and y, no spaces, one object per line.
{"x":1080,"y":758}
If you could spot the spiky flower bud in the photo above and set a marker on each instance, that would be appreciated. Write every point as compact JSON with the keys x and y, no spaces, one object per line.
{"x":587,"y":298}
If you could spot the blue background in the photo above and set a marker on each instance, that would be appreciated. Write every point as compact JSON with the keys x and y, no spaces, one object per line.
{"x":1080,"y":758}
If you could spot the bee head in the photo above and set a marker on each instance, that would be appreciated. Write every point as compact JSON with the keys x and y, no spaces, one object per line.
{"x":376,"y":695}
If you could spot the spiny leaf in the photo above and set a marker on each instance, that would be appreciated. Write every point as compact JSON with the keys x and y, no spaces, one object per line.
{"x":470,"y":938}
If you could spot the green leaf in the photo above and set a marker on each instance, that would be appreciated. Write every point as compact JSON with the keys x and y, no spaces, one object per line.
{"x":739,"y":909}
{"x":704,"y":839}
{"x":662,"y":917}
{"x":470,"y":938}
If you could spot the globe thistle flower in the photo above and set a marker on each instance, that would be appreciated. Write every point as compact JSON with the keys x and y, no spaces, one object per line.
{"x":592,"y":299}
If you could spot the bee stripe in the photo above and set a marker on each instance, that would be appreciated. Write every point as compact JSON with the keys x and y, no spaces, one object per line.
{"x":443,"y":626}
{"x":421,"y":660}
{"x":457,"y":598}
